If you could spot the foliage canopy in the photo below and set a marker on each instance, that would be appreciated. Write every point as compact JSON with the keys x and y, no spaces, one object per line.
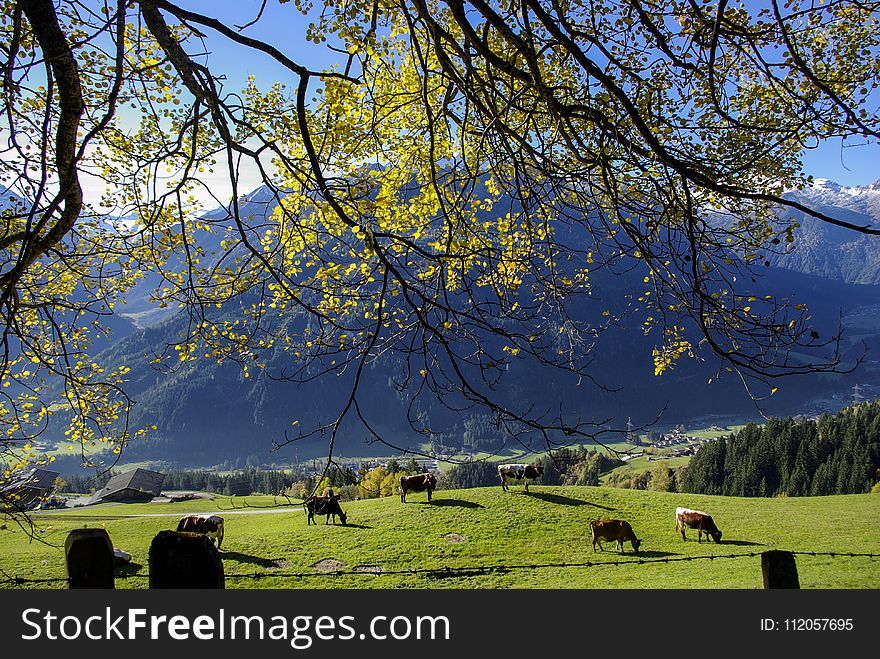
{"x":453,"y":190}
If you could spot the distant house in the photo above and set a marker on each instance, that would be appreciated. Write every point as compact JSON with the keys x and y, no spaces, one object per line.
{"x":131,"y":487}
{"x":29,"y":490}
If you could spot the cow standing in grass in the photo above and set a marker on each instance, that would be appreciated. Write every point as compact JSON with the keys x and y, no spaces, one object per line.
{"x":519,"y":472}
{"x":209,"y":525}
{"x":613,"y":530}
{"x":328,"y":506}
{"x":685,"y":518}
{"x":417,"y":483}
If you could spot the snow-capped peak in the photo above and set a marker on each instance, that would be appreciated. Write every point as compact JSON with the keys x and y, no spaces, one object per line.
{"x":826,"y":184}
{"x":262,"y":194}
{"x":825,"y":192}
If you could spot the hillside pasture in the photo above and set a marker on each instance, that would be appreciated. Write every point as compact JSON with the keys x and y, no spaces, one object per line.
{"x":481,"y":538}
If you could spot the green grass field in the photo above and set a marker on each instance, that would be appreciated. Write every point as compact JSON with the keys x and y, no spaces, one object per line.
{"x":708,"y":433}
{"x":641,"y":464}
{"x":483,"y":528}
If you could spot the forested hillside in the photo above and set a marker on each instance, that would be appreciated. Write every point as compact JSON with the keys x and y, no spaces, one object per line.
{"x":837,"y":454}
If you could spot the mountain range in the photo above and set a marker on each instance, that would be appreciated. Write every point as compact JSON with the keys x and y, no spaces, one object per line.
{"x":208,"y":413}
{"x":829,"y":251}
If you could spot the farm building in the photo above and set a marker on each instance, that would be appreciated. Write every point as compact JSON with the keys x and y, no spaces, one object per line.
{"x":30,"y":489}
{"x":131,"y":487}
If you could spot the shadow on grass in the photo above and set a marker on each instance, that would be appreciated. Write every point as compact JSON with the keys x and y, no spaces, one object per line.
{"x":742,"y":543}
{"x":461,"y":503}
{"x":350,"y":525}
{"x":628,"y":553}
{"x":127,"y":570}
{"x":564,"y":501}
{"x":253,"y":560}
{"x":654,"y":554}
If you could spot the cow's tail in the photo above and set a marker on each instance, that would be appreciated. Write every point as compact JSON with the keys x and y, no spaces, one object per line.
{"x":220,"y":535}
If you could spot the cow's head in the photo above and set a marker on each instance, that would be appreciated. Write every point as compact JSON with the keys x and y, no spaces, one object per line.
{"x":716,"y":536}
{"x":431,"y":480}
{"x":343,"y":517}
{"x":636,"y":544}
{"x":539,"y":469}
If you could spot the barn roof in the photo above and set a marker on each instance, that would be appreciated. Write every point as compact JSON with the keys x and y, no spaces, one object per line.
{"x":139,"y":480}
{"x":38,"y":479}
{"x":27,"y":491}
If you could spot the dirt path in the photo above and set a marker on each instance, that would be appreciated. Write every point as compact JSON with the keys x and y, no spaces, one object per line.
{"x":72,"y":512}
{"x":221,"y":512}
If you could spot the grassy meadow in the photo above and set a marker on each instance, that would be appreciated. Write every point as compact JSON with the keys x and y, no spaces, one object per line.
{"x":640,"y":464}
{"x":387,"y":544}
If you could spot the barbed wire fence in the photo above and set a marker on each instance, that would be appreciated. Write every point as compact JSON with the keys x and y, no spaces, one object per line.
{"x":446,"y":572}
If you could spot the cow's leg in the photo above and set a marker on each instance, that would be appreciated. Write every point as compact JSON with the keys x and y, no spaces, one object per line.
{"x":429,"y":496}
{"x":527,"y":486}
{"x":402,"y":496}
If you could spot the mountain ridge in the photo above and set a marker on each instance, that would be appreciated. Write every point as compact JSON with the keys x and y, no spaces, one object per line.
{"x":207,"y":413}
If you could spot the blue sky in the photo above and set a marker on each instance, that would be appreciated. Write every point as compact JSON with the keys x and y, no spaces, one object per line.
{"x":855,"y":162}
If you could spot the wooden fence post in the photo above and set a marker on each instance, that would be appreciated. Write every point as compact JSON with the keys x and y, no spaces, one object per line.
{"x":780,"y":570}
{"x":185,"y":560}
{"x":88,"y":559}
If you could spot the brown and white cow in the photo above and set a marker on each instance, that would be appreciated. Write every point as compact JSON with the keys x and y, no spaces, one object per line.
{"x":209,"y":525}
{"x":685,"y":518}
{"x":519,"y":472}
{"x":613,"y":530}
{"x":324,"y":506}
{"x":417,"y":483}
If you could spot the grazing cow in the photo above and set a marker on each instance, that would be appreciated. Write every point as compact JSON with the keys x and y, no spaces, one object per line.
{"x":209,"y":525}
{"x":417,"y":483}
{"x":324,"y":506}
{"x":519,"y":472}
{"x":686,"y":518}
{"x":611,"y":530}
